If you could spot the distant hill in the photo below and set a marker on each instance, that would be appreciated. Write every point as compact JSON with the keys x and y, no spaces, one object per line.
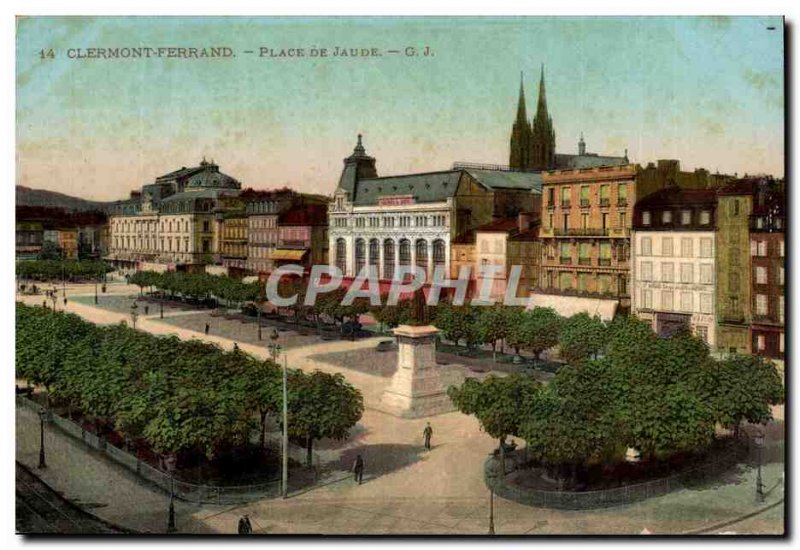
{"x":39,"y":197}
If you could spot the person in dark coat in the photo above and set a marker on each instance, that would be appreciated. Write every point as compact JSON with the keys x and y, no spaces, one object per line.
{"x":208,"y":327}
{"x":358,"y":469}
{"x":245,"y":527}
{"x":146,"y":310}
{"x":427,"y":433}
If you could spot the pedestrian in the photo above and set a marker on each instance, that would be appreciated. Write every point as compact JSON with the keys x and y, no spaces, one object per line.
{"x":235,"y":347}
{"x":146,"y":310}
{"x":358,"y":469}
{"x":242,"y":526}
{"x":207,"y":328}
{"x":427,"y":433}
{"x":248,"y":525}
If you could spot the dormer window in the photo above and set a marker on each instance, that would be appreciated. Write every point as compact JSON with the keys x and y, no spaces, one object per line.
{"x":686,"y":217}
{"x":645,"y":218}
{"x":666,"y":217}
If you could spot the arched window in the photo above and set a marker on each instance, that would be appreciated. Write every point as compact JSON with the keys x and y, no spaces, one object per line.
{"x":422,"y":254}
{"x":405,"y":252}
{"x":388,"y":259}
{"x":361,"y":255}
{"x":438,"y":252}
{"x":374,"y":253}
{"x":341,"y":255}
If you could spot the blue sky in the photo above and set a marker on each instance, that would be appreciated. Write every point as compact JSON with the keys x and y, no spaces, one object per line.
{"x":708,"y":91}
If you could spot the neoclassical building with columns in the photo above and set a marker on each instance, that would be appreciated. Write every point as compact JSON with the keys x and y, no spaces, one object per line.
{"x":412,"y":219}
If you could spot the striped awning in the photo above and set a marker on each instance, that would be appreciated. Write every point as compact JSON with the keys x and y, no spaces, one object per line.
{"x":288,"y":254}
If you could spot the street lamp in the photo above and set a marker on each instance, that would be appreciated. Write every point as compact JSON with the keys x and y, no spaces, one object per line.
{"x":170,"y":461}
{"x":42,"y":418}
{"x":492,"y":477}
{"x":275,"y":350}
{"x":759,"y":441}
{"x":134,"y":314}
{"x":54,"y":298}
{"x":96,"y":280}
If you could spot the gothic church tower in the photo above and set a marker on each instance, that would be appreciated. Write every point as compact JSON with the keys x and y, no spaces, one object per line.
{"x":521,"y":134}
{"x":543,"y":151}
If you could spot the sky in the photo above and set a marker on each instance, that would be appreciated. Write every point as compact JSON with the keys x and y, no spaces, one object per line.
{"x":706,"y":91}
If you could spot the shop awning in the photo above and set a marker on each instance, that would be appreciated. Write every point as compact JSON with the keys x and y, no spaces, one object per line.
{"x":568,"y":306}
{"x":288,"y":254}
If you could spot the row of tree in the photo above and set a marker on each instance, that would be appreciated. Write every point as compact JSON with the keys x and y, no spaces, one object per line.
{"x":661,"y":396}
{"x":49,"y":270}
{"x":197,"y":286}
{"x":179,"y":396}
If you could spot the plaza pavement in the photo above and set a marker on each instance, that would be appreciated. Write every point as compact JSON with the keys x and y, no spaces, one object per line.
{"x":406,"y":489}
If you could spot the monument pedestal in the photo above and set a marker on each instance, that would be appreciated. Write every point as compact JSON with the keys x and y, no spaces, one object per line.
{"x":418,"y":387}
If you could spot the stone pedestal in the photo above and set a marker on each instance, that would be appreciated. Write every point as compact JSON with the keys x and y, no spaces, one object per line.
{"x":419,"y":386}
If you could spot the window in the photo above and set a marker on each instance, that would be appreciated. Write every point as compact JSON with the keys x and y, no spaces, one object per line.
{"x":780,"y":275}
{"x":705,"y":302}
{"x":605,"y":254}
{"x":761,"y":342}
{"x":761,"y":275}
{"x":205,"y":227}
{"x":686,"y":247}
{"x":622,"y":194}
{"x":583,"y":282}
{"x":686,"y":217}
{"x":565,"y":280}
{"x":666,"y":246}
{"x":438,"y":252}
{"x":646,"y":246}
{"x":388,"y":259}
{"x":781,"y":249}
{"x":762,"y":248}
{"x":780,"y":309}
{"x":584,"y":195}
{"x":734,"y":208}
{"x":645,"y":218}
{"x":341,"y":255}
{"x":706,"y":248}
{"x":687,"y":273}
{"x":585,"y":254}
{"x":666,"y":300}
{"x":566,"y":253}
{"x":605,"y":195}
{"x":753,"y":248}
{"x":668,"y":272}
{"x":565,"y":196}
{"x":565,"y":226}
{"x":550,"y":221}
{"x":405,"y":252}
{"x":622,"y":219}
{"x":706,"y":274}
{"x":647,"y":299}
{"x":551,"y":196}
{"x":780,"y":348}
{"x":666,"y":217}
{"x":761,"y":304}
{"x":701,"y":332}
{"x":584,"y":221}
{"x":686,"y":301}
{"x":604,"y":284}
{"x":705,"y":217}
{"x":361,"y":256}
{"x":647,"y":271}
{"x":605,"y":220}
{"x":422,"y":254}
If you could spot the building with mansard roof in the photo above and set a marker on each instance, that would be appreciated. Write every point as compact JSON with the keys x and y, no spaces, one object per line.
{"x":412,"y":219}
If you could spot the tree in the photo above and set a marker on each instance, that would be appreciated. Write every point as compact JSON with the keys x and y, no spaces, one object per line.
{"x":744,"y":387}
{"x":582,"y":337}
{"x":492,"y":326}
{"x":496,"y":402}
{"x":264,"y":391}
{"x":322,"y":405}
{"x":537,"y":330}
{"x":50,"y":251}
{"x":457,"y":323}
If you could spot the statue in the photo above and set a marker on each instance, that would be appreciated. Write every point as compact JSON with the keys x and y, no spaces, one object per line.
{"x":420,"y":312}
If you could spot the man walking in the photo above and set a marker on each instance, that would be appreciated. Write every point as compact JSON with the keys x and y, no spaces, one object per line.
{"x":358,"y":469}
{"x":427,"y":433}
{"x":245,"y":527}
{"x":207,"y":328}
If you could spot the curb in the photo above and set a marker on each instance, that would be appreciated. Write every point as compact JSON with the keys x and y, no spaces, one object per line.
{"x":705,"y":530}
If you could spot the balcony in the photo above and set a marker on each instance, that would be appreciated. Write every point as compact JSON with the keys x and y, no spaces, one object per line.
{"x":565,"y":205}
{"x":604,"y":262}
{"x":605,"y":202}
{"x":584,"y":203}
{"x":565,"y":260}
{"x":584,"y":261}
{"x":622,"y":202}
{"x":581,"y":232}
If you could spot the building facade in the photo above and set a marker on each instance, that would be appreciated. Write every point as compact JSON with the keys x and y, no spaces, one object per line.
{"x":234,"y":242}
{"x":302,"y":235}
{"x":768,"y":278}
{"x":673,"y":262}
{"x":395,"y":221}
{"x":263,"y":209}
{"x":29,"y":239}
{"x":174,"y":221}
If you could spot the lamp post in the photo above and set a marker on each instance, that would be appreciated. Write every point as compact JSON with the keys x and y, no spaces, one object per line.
{"x":171,"y":517}
{"x":42,"y":417}
{"x":134,"y":314}
{"x":275,"y":350}
{"x":492,"y":478}
{"x":54,"y":298}
{"x":161,"y":306}
{"x":96,"y":281}
{"x":258,"y":306}
{"x":759,"y":441}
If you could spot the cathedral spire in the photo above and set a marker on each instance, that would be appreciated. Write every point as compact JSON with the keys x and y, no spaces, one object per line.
{"x":541,"y":107}
{"x":522,"y":115}
{"x":543,"y":140}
